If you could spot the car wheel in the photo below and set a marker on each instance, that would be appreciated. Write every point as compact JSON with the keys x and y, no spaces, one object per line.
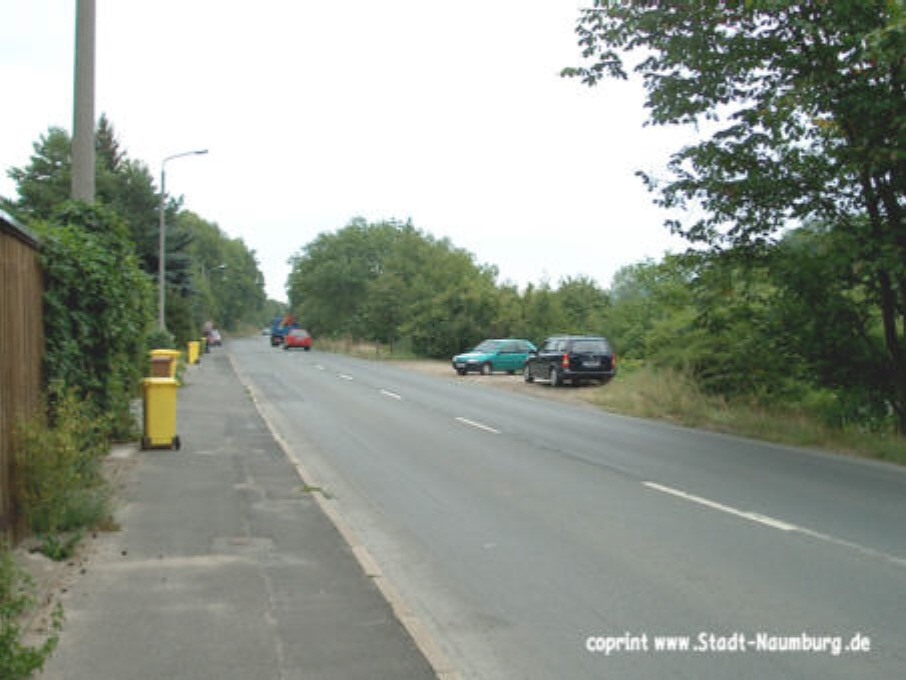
{"x":555,"y":378}
{"x":486,"y":369}
{"x":527,"y":374}
{"x":461,"y":371}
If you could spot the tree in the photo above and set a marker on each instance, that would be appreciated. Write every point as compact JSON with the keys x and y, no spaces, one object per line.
{"x":383,"y":309}
{"x":646,"y":296}
{"x":820,"y":308}
{"x":225,"y":284}
{"x":542,"y":312}
{"x":46,"y":181}
{"x":584,"y":304}
{"x":389,"y":280}
{"x":126,"y":186}
{"x":807,"y":101}
{"x":123,"y":184}
{"x":331,"y":275}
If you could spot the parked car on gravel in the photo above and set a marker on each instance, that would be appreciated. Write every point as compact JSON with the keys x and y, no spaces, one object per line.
{"x":297,"y":337}
{"x":494,"y":355}
{"x":574,"y":358}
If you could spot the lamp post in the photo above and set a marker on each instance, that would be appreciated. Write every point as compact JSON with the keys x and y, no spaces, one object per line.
{"x":162,"y":259}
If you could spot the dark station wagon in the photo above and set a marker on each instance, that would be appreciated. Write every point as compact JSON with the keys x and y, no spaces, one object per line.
{"x":574,"y":358}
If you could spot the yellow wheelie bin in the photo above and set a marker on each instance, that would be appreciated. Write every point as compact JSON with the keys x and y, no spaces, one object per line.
{"x":173,"y":354}
{"x":193,"y":352}
{"x":159,"y":401}
{"x":160,"y":367}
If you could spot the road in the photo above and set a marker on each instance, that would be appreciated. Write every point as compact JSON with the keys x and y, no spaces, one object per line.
{"x":522,"y":531}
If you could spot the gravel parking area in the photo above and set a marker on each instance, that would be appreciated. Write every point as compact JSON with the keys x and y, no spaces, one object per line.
{"x":514,"y":383}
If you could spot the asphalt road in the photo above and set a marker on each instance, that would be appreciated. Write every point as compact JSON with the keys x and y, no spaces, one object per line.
{"x":535,"y":539}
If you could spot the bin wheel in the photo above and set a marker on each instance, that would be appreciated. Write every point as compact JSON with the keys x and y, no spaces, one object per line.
{"x":146,"y":443}
{"x":176,"y":443}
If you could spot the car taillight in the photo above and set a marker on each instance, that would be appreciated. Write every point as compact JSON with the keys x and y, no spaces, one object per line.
{"x":566,"y":361}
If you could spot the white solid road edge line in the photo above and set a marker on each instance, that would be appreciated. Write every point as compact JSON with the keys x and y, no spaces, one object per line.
{"x":752,"y":516}
{"x":778,"y":524}
{"x":480,"y":426}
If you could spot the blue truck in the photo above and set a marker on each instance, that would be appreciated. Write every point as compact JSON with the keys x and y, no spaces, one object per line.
{"x":280,"y":326}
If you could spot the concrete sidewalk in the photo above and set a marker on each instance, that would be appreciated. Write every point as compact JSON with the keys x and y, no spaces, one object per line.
{"x":226,"y":567}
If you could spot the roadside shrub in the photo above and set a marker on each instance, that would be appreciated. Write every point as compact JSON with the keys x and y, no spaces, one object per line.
{"x":650,"y":392}
{"x":18,"y":661}
{"x":59,"y":486}
{"x":160,"y":339}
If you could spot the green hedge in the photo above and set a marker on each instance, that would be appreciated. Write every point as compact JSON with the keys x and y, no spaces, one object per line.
{"x":98,"y":308}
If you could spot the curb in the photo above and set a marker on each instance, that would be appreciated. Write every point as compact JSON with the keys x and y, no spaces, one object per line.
{"x":426,"y":644}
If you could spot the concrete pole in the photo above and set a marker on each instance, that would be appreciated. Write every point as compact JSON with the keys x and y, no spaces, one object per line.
{"x":83,"y":153}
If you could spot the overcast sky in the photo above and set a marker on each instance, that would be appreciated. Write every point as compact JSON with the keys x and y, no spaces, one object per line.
{"x":452,"y":114}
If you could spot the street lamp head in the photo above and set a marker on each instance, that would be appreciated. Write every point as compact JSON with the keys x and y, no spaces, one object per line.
{"x":198,"y":152}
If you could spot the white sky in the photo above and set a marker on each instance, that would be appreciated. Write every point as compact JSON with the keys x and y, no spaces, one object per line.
{"x":452,"y":114}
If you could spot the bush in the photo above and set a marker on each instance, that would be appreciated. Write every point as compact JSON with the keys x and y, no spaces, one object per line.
{"x":160,"y":339}
{"x":18,"y":661}
{"x":59,"y":486}
{"x":97,"y":310}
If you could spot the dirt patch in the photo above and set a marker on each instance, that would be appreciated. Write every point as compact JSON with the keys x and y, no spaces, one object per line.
{"x":513,"y":383}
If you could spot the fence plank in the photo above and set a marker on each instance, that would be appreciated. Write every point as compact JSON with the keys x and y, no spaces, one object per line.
{"x":21,"y":348}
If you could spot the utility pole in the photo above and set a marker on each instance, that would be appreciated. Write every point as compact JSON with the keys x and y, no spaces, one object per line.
{"x":83,"y":153}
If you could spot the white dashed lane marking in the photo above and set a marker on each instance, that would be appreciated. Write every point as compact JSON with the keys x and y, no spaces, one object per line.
{"x":479,"y":426}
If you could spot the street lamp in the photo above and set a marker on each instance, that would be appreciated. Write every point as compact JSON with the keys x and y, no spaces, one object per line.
{"x":162,"y":259}
{"x":205,"y":274}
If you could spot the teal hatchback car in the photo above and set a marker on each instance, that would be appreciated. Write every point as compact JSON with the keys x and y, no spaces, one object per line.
{"x":507,"y":355}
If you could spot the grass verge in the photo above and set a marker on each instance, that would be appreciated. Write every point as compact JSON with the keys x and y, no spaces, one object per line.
{"x":366,"y":349}
{"x":675,"y":397}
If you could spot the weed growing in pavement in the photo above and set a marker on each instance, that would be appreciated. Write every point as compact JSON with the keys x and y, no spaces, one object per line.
{"x":59,"y":486}
{"x":316,"y":489}
{"x":19,"y":661}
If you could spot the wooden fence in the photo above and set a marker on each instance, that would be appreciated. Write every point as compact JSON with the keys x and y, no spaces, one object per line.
{"x":21,"y":348}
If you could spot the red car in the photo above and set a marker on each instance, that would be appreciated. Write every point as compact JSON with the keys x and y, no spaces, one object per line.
{"x":297,"y":338}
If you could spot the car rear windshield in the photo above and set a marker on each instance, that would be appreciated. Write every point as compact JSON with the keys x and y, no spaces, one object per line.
{"x":590,"y":346}
{"x":487,"y":347}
